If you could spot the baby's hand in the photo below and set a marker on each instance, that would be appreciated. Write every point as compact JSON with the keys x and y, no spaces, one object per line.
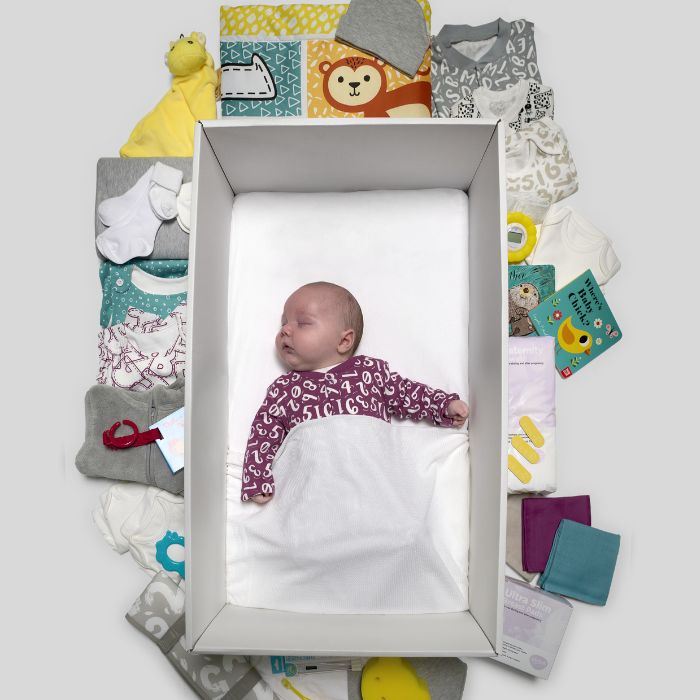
{"x":458,"y":411}
{"x":261,"y":499}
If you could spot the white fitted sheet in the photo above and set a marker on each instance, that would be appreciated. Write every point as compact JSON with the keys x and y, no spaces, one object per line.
{"x":404,"y":255}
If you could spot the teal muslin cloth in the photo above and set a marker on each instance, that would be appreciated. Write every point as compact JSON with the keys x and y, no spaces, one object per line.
{"x":581,"y":563}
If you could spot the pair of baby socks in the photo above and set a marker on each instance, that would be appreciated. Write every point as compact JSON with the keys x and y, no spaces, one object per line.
{"x":135,"y":217}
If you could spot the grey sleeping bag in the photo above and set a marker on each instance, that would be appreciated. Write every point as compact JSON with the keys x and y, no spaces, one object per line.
{"x":104,"y":406}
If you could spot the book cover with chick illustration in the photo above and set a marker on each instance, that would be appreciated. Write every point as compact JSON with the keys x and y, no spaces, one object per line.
{"x":581,"y":322}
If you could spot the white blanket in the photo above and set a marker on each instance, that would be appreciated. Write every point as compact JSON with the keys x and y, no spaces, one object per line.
{"x":404,"y":255}
{"x":354,"y":526}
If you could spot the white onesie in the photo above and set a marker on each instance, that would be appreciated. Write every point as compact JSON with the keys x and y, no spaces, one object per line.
{"x":133,"y":517}
{"x":573,"y":245}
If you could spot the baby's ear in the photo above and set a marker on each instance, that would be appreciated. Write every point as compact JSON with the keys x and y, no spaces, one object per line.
{"x":347,"y":340}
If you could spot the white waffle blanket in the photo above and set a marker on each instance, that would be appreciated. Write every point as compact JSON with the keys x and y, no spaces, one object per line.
{"x":353,"y":526}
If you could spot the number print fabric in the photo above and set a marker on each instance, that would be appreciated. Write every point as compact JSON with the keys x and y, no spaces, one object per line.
{"x":511,"y":57}
{"x":144,"y":351}
{"x":540,"y":169}
{"x":159,"y":612}
{"x":359,"y":386}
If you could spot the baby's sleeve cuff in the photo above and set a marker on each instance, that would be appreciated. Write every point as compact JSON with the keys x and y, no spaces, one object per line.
{"x":262,"y":488}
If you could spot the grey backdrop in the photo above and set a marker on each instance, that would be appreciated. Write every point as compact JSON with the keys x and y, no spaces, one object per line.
{"x":78,"y":78}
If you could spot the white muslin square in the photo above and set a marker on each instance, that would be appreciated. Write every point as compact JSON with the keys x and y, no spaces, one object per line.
{"x":404,"y":255}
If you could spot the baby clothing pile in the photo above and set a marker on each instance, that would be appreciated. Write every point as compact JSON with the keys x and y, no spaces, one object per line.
{"x":133,"y":517}
{"x":142,"y":227}
{"x":142,"y":222}
{"x":491,"y":71}
{"x":144,"y":317}
{"x":141,"y":351}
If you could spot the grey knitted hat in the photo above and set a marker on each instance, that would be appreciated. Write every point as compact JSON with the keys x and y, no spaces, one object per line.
{"x":392,"y":30}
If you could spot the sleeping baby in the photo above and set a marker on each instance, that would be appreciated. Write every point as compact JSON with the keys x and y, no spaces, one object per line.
{"x":320,"y":331}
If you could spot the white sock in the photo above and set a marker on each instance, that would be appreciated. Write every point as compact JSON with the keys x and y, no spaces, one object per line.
{"x":134,"y":235}
{"x":114,"y":209}
{"x":162,"y":193}
{"x":184,"y":204}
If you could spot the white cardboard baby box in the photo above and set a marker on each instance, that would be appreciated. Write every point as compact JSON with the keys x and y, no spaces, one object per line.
{"x":239,"y":156}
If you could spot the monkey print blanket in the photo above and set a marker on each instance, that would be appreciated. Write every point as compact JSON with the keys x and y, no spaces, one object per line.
{"x":282,"y":61}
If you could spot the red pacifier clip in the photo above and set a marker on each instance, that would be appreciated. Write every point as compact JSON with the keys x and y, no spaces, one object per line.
{"x":136,"y":439}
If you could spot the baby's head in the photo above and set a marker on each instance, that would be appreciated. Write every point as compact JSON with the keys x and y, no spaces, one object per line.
{"x":321,"y":326}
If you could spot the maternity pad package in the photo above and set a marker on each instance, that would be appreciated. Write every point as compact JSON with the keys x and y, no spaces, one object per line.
{"x":412,"y":521}
{"x":531,"y":415}
{"x":534,"y":623}
{"x":367,"y":517}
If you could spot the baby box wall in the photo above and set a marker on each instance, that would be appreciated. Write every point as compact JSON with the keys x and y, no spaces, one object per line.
{"x":292,"y":155}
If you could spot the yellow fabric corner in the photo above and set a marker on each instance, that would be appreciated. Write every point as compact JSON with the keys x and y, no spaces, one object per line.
{"x":427,"y":12}
{"x":286,"y":20}
{"x":391,"y":678}
{"x":168,"y":129}
{"x":280,"y":20}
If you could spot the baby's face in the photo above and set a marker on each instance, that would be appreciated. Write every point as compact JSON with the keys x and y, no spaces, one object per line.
{"x":310,"y":331}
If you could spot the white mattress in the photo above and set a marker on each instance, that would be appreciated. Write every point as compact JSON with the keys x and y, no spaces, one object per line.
{"x":404,"y":255}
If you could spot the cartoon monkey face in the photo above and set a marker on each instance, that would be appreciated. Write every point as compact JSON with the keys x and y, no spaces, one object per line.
{"x":524,"y":295}
{"x":353,"y":81}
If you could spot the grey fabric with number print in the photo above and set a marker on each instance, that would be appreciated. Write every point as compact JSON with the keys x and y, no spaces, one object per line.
{"x":159,"y":612}
{"x":495,"y":55}
{"x":539,"y":168}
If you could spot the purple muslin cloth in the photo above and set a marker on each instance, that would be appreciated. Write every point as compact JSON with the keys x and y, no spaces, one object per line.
{"x":541,"y":518}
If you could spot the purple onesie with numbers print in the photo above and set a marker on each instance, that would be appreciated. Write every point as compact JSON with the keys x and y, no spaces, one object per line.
{"x":359,"y":386}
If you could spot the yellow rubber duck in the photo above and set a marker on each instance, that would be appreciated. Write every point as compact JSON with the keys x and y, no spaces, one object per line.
{"x":389,"y":678}
{"x":168,"y":129}
{"x":572,"y":339}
